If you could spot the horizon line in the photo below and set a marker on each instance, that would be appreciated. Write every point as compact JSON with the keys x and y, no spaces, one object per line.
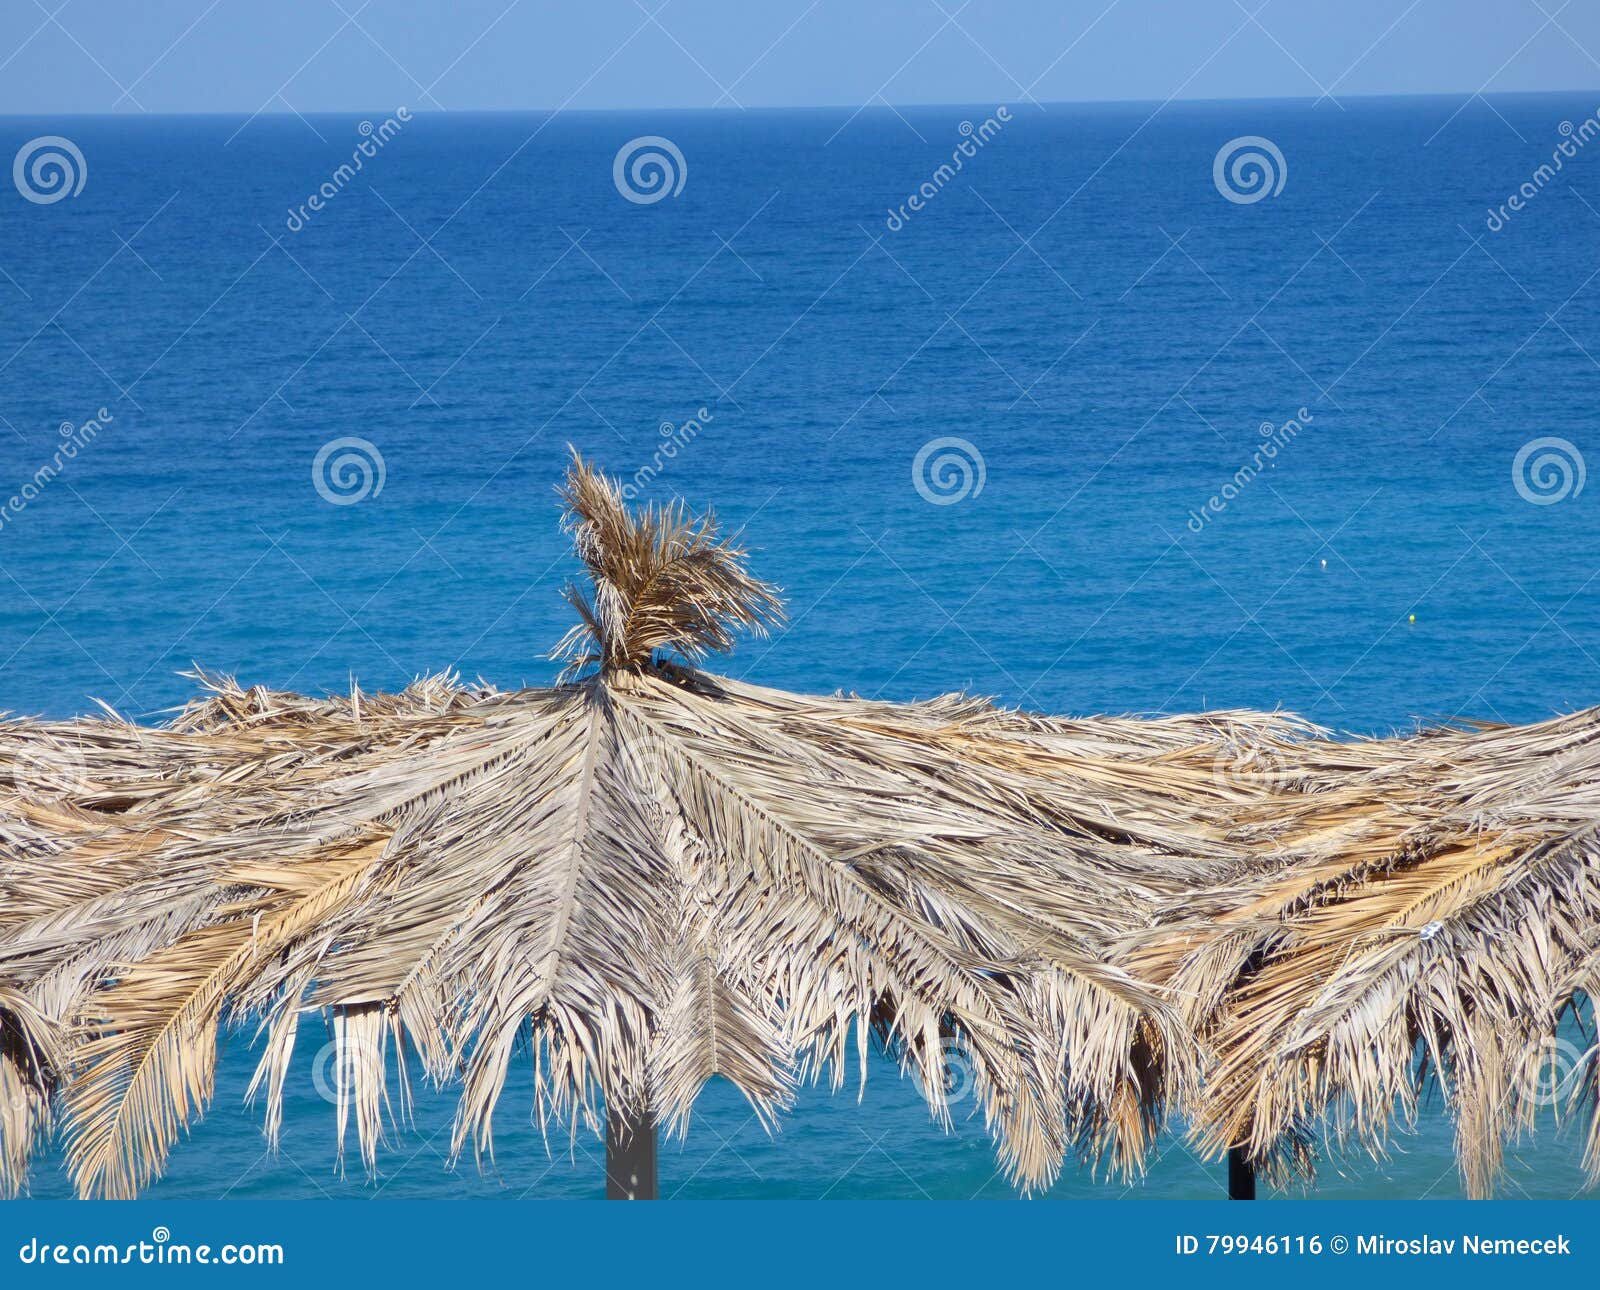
{"x":869,"y":106}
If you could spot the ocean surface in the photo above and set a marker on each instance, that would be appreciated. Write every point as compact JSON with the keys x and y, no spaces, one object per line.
{"x":1086,"y":305}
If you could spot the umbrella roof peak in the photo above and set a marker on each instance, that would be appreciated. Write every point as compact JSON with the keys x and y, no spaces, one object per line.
{"x":665,"y":580}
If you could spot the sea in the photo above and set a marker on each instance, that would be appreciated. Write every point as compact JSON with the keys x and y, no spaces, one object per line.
{"x":1130,"y":408}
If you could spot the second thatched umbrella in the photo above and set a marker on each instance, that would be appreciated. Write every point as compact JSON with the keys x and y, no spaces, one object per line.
{"x":1419,"y":913}
{"x":648,"y":874}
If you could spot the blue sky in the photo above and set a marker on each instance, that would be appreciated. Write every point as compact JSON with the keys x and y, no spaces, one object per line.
{"x":337,"y":55}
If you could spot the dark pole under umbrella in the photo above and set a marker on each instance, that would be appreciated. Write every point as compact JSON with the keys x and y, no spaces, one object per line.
{"x":1241,"y":1175}
{"x":631,"y":1157}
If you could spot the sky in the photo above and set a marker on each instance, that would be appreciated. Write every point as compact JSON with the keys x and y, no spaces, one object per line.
{"x":451,"y":55}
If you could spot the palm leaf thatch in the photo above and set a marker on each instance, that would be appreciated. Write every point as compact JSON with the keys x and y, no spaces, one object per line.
{"x":1417,"y":913}
{"x":650,"y":875}
{"x":641,"y":878}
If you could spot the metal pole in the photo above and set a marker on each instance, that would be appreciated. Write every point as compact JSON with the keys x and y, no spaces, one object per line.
{"x":1241,"y":1175}
{"x":631,"y":1157}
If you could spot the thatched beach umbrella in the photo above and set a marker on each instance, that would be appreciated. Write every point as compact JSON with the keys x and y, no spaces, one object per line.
{"x":1419,"y":912}
{"x":642,"y":877}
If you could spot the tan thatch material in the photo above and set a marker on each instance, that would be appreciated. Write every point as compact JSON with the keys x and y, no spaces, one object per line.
{"x":656,"y":874}
{"x":1418,"y":912}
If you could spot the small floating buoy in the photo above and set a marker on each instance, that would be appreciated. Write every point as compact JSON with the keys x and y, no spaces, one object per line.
{"x":1324,"y":564}
{"x":1412,"y":618}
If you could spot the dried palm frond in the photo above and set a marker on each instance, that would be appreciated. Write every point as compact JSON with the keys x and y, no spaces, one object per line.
{"x":664,"y":579}
{"x":32,"y":1058}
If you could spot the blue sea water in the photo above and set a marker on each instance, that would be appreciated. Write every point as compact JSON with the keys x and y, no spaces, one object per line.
{"x":1080,"y":304}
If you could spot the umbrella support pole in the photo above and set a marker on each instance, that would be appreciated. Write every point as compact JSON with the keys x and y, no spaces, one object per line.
{"x":1241,"y":1175}
{"x":631,"y":1157}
